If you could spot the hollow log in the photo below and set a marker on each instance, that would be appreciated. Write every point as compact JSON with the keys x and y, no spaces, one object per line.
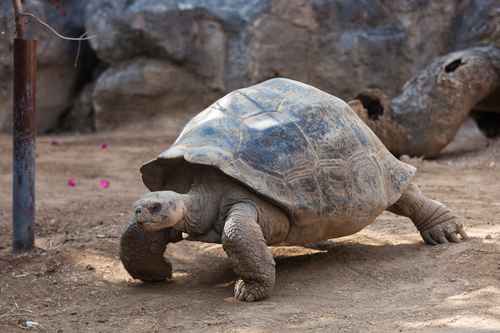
{"x":425,"y":117}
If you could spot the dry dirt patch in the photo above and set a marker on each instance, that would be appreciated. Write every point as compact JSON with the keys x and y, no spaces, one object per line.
{"x":383,"y":279}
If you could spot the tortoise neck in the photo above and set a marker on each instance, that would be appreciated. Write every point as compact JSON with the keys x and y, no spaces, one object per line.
{"x":202,"y":202}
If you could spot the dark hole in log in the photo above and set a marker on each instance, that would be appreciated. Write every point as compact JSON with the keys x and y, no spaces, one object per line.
{"x":453,"y":65}
{"x":488,"y":123}
{"x":372,"y":105}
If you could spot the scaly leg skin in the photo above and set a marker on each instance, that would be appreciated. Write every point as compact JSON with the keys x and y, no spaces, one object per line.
{"x":141,"y":253}
{"x":436,"y":223}
{"x":248,"y":253}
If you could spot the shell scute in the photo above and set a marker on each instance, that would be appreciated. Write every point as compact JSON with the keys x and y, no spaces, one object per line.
{"x":274,"y":145}
{"x":250,"y":102}
{"x":215,"y":129}
{"x":336,"y":188}
{"x":367,"y":179}
{"x":284,"y":86}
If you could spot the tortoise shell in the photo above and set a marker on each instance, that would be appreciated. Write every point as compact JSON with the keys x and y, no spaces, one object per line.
{"x":298,"y":147}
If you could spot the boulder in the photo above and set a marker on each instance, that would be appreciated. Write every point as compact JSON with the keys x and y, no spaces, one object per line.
{"x":139,"y":89}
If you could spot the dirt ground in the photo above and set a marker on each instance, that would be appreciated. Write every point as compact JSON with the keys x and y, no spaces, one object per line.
{"x":383,"y":279}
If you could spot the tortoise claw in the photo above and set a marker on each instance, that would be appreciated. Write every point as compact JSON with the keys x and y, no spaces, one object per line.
{"x":462,"y":232}
{"x":445,"y":232}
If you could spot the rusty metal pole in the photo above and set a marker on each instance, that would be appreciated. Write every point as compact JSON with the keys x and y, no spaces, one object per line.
{"x":23,"y":210}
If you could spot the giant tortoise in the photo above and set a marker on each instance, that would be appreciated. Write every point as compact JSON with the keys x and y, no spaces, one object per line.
{"x":279,"y":163}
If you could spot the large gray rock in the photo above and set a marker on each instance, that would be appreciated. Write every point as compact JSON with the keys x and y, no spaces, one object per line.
{"x":198,"y":48}
{"x":477,"y":23}
{"x":339,"y":46}
{"x":139,"y":89}
{"x":58,"y":81}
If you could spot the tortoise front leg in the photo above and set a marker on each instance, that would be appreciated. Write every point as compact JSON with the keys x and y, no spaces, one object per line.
{"x":141,"y":253}
{"x":436,"y":223}
{"x":246,"y":248}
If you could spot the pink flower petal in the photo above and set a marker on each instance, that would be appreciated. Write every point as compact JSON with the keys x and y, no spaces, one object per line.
{"x":103,"y":145}
{"x":71,"y":183}
{"x":104,"y":184}
{"x":56,"y":143}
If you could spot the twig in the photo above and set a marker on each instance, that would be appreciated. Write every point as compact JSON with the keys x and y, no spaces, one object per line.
{"x":41,"y":249}
{"x":60,"y":36}
{"x":17,"y":306}
{"x":79,"y":45}
{"x":82,"y":37}
{"x":12,"y":26}
{"x":18,"y":9}
{"x":25,"y":274}
{"x":10,"y":314}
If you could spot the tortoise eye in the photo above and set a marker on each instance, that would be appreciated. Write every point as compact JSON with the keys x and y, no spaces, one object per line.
{"x":155,"y":208}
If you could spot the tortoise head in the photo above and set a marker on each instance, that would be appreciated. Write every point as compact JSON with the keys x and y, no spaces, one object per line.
{"x":159,"y":210}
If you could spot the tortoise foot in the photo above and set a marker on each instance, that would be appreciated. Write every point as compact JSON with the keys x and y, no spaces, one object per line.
{"x":444,"y":232}
{"x":250,"y":291}
{"x":436,"y":223}
{"x":141,"y":253}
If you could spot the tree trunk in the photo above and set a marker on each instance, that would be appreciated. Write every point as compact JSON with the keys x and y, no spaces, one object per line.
{"x":433,"y":105}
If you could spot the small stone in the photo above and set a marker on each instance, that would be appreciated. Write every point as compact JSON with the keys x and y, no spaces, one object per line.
{"x":31,"y":324}
{"x":487,"y":237}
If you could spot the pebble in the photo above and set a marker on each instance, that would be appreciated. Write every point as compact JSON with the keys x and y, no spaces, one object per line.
{"x":487,"y":237}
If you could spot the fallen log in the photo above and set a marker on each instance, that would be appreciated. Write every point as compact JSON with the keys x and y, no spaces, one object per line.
{"x":425,"y":117}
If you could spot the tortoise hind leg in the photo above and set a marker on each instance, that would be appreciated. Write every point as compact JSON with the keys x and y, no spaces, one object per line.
{"x":248,"y":254}
{"x":141,"y":253}
{"x":436,"y":223}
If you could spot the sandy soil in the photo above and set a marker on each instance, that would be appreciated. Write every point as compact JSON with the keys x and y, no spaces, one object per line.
{"x":383,"y":279}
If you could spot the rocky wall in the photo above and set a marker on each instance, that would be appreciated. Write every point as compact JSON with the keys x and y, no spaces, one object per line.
{"x":169,"y":56}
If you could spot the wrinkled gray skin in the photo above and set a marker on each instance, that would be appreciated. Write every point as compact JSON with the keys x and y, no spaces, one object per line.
{"x":219,"y":210}
{"x":279,"y":163}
